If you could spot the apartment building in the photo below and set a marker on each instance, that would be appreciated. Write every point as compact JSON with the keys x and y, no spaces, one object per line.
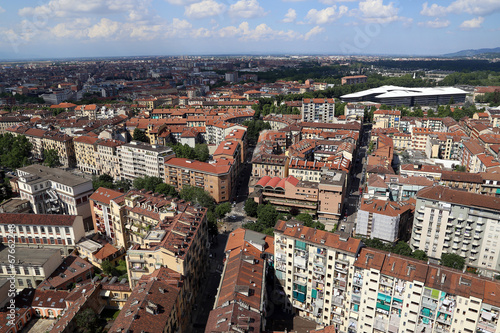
{"x":100,"y":202}
{"x":85,"y":154}
{"x":453,"y":221}
{"x":392,"y":293}
{"x":215,"y":177}
{"x":386,"y":118}
{"x":465,"y":181}
{"x":138,"y":159}
{"x":402,"y":141}
{"x":161,"y":232}
{"x":54,"y":191}
{"x":369,"y":290}
{"x":355,"y":79}
{"x":8,"y":121}
{"x":388,"y":221}
{"x":107,"y":158}
{"x":31,"y":267}
{"x":313,"y":268}
{"x":419,"y":137}
{"x":318,"y":110}
{"x":269,"y":165}
{"x":156,"y":305}
{"x":58,"y":232}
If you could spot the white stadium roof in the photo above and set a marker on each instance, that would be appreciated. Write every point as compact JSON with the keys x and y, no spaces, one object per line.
{"x":395,"y":92}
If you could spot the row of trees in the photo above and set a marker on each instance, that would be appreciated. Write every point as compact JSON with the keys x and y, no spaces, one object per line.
{"x":15,"y":151}
{"x":400,"y":247}
{"x":199,"y":152}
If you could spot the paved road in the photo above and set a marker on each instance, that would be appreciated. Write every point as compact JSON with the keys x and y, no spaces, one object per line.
{"x":357,"y":180}
{"x":206,"y":298}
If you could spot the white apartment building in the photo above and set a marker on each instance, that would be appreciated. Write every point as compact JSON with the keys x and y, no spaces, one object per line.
{"x":54,"y":191}
{"x":31,"y":267}
{"x":138,"y":159}
{"x":60,"y":232}
{"x":107,"y":159}
{"x":318,"y":110}
{"x":313,"y":266}
{"x":384,"y":220}
{"x":453,"y":221}
{"x":369,"y":290}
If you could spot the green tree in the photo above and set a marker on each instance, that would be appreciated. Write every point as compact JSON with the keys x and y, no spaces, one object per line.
{"x":197,"y":195}
{"x":139,"y":135}
{"x":124,"y":185}
{"x":461,"y":168}
{"x":452,"y":260}
{"x":14,"y":150}
{"x":5,"y":189}
{"x":267,"y":215}
{"x":107,"y":267}
{"x":419,"y":254}
{"x":222,"y":209}
{"x":86,"y":321}
{"x":147,"y":183}
{"x":251,"y":207}
{"x":201,"y":152}
{"x":304,"y":217}
{"x":103,"y":180}
{"x":166,"y":189}
{"x":51,"y":158}
{"x":402,"y":248}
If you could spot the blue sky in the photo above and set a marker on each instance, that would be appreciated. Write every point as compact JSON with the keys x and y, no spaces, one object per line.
{"x":84,"y":28}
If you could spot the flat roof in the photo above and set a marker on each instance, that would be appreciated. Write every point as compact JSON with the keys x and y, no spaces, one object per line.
{"x":54,"y":174}
{"x":27,"y":255}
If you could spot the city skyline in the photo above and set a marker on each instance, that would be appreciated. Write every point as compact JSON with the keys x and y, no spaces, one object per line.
{"x":105,"y":28}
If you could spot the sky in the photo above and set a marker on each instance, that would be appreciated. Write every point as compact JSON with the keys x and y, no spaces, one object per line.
{"x":100,"y":28}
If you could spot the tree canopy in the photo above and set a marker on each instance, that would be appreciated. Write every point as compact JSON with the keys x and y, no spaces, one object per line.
{"x":148,"y":183}
{"x":139,"y":135}
{"x":251,"y":207}
{"x":222,"y":209}
{"x":452,"y":260}
{"x":51,"y":158}
{"x":14,"y":150}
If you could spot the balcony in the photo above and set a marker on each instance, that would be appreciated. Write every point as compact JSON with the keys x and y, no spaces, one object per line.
{"x":429,"y":304}
{"x":356,"y":299}
{"x":342,"y":269}
{"x":380,"y":324}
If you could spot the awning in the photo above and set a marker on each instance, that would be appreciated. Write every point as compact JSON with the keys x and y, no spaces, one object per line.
{"x":486,"y":315}
{"x":105,"y":293}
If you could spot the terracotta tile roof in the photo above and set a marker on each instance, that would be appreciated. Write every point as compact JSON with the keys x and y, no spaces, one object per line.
{"x":296,"y":230}
{"x":197,"y":166}
{"x":456,"y":176}
{"x":388,"y":208}
{"x":106,"y":252}
{"x":243,"y":278}
{"x":441,"y":193}
{"x":233,"y":318}
{"x":86,"y":139}
{"x":151,"y":303}
{"x":370,"y":258}
{"x":71,"y":268}
{"x":37,"y":219}
{"x":53,"y":299}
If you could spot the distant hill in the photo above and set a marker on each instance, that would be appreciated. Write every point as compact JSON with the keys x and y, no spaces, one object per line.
{"x":470,"y":53}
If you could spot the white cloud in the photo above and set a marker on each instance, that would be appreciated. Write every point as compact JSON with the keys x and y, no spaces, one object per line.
{"x":473,"y":23}
{"x":71,"y":8}
{"x":290,"y":16}
{"x":204,"y":8}
{"x":181,"y":2}
{"x":326,"y":15}
{"x":314,"y":31}
{"x":2,"y":10}
{"x":104,"y":29}
{"x":436,"y":24}
{"x":433,"y":10}
{"x":246,"y":9}
{"x":474,"y":7}
{"x":332,"y":2}
{"x":376,"y":11}
{"x":75,"y":29}
{"x":261,"y":32}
